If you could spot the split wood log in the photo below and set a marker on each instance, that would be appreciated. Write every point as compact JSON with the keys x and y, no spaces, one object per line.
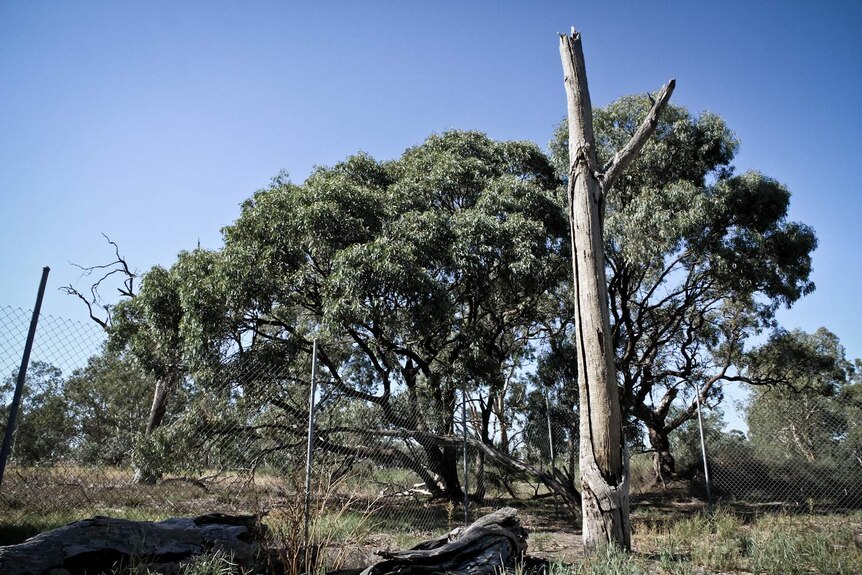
{"x":490,"y":545}
{"x":101,"y":544}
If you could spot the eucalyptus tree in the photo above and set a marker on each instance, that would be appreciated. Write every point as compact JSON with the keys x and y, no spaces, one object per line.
{"x":45,"y":429}
{"x":809,"y":406}
{"x":698,"y":259}
{"x":146,"y":328}
{"x":420,"y":277}
{"x":108,"y":401}
{"x":155,"y":327}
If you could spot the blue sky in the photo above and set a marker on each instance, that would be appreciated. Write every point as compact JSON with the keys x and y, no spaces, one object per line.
{"x":151,"y":121}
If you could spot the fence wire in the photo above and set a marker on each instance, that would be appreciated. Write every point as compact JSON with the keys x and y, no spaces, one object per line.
{"x":233,"y":440}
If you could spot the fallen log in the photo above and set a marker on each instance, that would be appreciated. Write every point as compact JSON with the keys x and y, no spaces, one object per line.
{"x":491,"y":545}
{"x":101,"y":544}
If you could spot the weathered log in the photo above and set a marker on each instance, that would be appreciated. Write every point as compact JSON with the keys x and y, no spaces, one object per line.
{"x":494,"y":543}
{"x":490,"y":545}
{"x":101,"y":544}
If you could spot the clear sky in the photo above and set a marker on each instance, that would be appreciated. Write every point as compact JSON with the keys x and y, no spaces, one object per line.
{"x":151,"y":121}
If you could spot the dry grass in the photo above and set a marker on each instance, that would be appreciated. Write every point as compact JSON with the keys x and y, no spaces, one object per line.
{"x":356,"y":517}
{"x":729,"y":541}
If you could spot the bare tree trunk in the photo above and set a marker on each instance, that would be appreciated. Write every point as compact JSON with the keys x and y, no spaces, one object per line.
{"x":159,"y":406}
{"x":603,"y":454}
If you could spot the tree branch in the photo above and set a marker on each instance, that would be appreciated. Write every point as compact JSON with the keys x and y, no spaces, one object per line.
{"x":118,"y":266}
{"x":624,"y":157}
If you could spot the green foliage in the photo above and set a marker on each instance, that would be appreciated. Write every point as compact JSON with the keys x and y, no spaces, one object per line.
{"x":416,"y":273}
{"x":44,"y":427}
{"x":447,"y":268}
{"x":164,"y":325}
{"x":698,"y":258}
{"x":556,"y":379}
{"x":799,"y":361}
{"x":109,"y":401}
{"x":813,"y":416}
{"x":812,"y":421}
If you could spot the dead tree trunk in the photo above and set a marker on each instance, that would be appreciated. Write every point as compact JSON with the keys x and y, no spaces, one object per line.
{"x":603,"y":454}
{"x":101,"y":544}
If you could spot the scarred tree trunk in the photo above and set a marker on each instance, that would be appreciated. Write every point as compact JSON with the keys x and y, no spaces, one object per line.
{"x":603,"y":454}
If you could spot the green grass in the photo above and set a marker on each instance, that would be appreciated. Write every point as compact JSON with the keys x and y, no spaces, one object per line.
{"x":215,"y":563}
{"x":218,"y":563}
{"x":609,"y":561}
{"x":804,"y":544}
{"x":721,"y":541}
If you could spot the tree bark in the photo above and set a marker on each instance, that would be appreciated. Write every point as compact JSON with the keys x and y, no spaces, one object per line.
{"x":493,"y":544}
{"x":157,"y":414}
{"x":99,"y":544}
{"x":658,"y":433}
{"x":603,"y":454}
{"x":443,"y":462}
{"x":664,"y":464}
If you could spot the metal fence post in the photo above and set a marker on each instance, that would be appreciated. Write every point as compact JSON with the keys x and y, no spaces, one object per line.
{"x":22,"y":375}
{"x":551,"y":445}
{"x":550,"y":434}
{"x":310,"y":448}
{"x":703,"y":451}
{"x":466,"y":479}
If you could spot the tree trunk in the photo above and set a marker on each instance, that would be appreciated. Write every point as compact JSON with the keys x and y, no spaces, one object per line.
{"x":157,"y":414}
{"x":664,"y":464}
{"x":658,"y":431}
{"x":603,"y":454}
{"x":478,"y":495}
{"x":443,"y":462}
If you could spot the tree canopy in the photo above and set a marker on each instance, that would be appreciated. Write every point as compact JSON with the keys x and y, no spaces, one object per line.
{"x":419,"y":276}
{"x":447,"y":269}
{"x":816,"y":415}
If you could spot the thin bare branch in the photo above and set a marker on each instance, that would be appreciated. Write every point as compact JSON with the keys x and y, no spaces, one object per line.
{"x":103,"y":323}
{"x":118,"y":266}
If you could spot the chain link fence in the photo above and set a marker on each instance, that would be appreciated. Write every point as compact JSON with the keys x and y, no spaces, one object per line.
{"x":90,"y":441}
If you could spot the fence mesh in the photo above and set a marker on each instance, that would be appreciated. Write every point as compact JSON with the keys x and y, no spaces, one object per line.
{"x":234,"y":439}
